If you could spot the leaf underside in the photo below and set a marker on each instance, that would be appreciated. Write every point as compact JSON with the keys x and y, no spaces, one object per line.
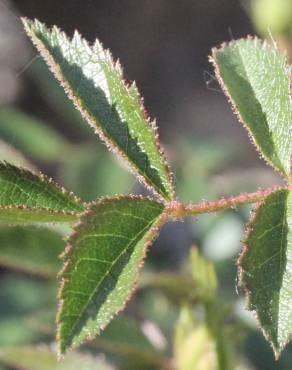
{"x":256,"y":79}
{"x":28,"y":198}
{"x":265,"y":266}
{"x":95,"y":84}
{"x":102,"y":263}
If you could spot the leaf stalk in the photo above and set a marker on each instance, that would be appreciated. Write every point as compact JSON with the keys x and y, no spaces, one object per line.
{"x":177,"y":210}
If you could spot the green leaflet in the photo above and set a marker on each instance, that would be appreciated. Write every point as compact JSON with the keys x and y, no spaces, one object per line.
{"x":33,"y":250}
{"x":28,"y":198}
{"x":95,"y":84}
{"x":266,"y":267}
{"x":256,"y":78}
{"x":26,"y":216}
{"x":102,"y":264}
{"x":44,"y":358}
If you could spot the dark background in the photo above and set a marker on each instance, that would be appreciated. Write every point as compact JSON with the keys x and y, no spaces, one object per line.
{"x":163,"y":45}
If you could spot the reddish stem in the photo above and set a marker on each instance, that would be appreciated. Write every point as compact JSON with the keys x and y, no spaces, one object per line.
{"x":178,"y":210}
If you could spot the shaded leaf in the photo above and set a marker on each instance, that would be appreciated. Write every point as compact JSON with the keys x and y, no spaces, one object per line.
{"x":26,"y":198}
{"x":30,"y":249}
{"x":95,"y":84}
{"x":32,"y":136}
{"x":265,"y":267}
{"x":102,"y":264}
{"x":20,"y":215}
{"x":256,"y":78}
{"x":44,"y":357}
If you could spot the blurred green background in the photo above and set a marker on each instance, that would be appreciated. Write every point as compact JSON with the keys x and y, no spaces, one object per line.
{"x":164,"y":46}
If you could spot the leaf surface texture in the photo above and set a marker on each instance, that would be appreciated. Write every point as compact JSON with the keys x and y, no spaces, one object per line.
{"x":256,"y":78}
{"x":266,"y":267}
{"x":102,"y":263}
{"x":95,"y":83}
{"x":28,"y":198}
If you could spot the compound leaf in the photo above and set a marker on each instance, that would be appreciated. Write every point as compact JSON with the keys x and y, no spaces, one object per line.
{"x":265,"y":267}
{"x":28,"y":198}
{"x":257,"y":79}
{"x":102,"y":264}
{"x":95,"y":84}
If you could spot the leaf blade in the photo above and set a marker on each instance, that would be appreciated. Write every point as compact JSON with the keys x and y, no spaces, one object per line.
{"x":26,"y":197}
{"x":103,"y":290}
{"x":256,"y":78}
{"x":29,"y":216}
{"x":264,"y":267}
{"x":95,"y":84}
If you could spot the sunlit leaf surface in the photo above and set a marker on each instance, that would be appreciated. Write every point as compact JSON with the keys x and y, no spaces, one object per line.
{"x":28,"y":198}
{"x":266,"y":267}
{"x":102,"y":263}
{"x":257,"y":80}
{"x":95,"y":84}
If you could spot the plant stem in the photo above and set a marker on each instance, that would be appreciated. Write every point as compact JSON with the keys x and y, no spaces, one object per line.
{"x":178,"y":210}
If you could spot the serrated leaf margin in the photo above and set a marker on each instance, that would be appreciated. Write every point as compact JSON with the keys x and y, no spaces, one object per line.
{"x":212,"y":60}
{"x":45,"y":180}
{"x":66,"y":216}
{"x":65,"y":256}
{"x":55,"y":69}
{"x":247,"y":292}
